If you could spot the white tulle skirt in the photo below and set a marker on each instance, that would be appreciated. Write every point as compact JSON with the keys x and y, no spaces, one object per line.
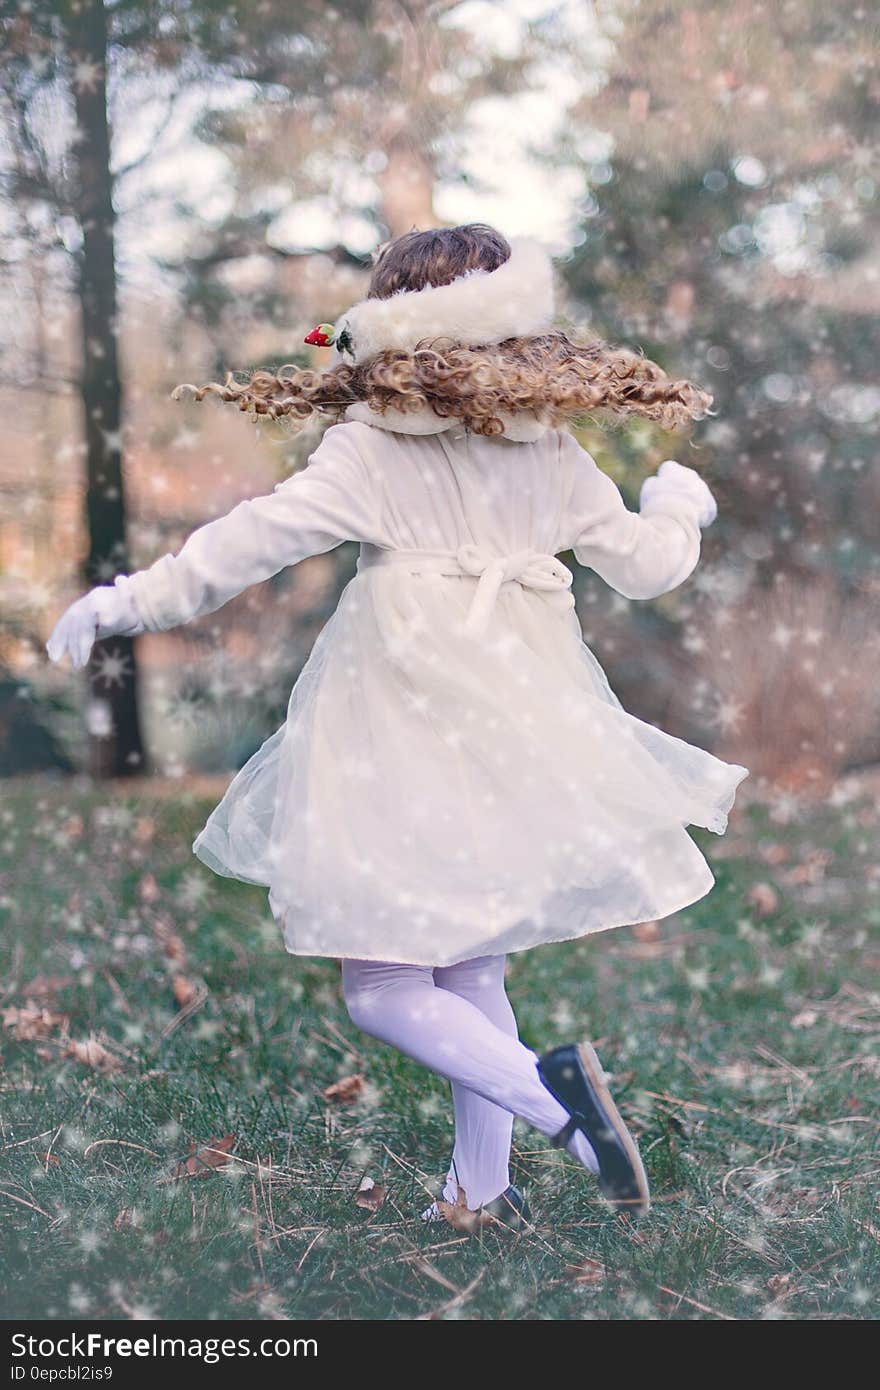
{"x":431,"y":798}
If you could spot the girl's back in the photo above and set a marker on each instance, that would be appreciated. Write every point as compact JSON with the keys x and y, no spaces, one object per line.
{"x":454,"y":487}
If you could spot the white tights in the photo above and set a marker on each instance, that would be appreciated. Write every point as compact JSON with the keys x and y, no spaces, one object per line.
{"x":457,"y":1020}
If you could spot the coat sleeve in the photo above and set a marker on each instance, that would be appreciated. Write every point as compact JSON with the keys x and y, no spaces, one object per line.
{"x":329,"y":501}
{"x":640,"y":554}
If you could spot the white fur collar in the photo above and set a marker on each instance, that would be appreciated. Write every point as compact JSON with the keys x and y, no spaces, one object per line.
{"x":481,"y":306}
{"x":522,"y":426}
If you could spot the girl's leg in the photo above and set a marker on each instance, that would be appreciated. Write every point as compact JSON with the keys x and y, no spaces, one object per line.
{"x":402,"y":1005}
{"x":482,"y":1129}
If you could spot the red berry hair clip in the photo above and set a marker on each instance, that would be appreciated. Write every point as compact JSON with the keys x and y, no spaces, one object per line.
{"x":325,"y":335}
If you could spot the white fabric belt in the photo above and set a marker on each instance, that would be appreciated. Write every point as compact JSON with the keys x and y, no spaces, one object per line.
{"x":532,"y":569}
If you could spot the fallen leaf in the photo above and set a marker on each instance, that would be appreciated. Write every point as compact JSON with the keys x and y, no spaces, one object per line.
{"x":647,"y":931}
{"x":170,"y":941}
{"x":460,"y":1216}
{"x":346,"y":1090}
{"x":92,"y":1053}
{"x":213,"y":1156}
{"x":764,"y":897}
{"x":370,"y":1195}
{"x":148,"y":889}
{"x":184,"y":990}
{"x":774,"y":854}
{"x":812,"y":870}
{"x":44,"y":986}
{"x":778,"y":1284}
{"x":588,"y":1272}
{"x":48,"y":1160}
{"x":32,"y":1021}
{"x":144,"y":829}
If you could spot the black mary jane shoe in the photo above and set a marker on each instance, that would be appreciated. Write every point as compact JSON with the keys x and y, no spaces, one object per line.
{"x":510,"y":1209}
{"x":573,"y":1074}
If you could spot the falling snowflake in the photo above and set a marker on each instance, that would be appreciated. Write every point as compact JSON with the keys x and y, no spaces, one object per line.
{"x":185,"y":439}
{"x":184,"y":710}
{"x":87,"y":76}
{"x":782,"y":634}
{"x":112,"y":441}
{"x":112,"y":668}
{"x":192,"y":891}
{"x":729,"y":715}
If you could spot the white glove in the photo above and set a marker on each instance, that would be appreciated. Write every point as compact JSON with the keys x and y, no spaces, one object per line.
{"x":674,"y":480}
{"x":107,"y":611}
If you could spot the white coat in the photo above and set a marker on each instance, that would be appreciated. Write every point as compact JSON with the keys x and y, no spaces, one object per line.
{"x":454,"y":776}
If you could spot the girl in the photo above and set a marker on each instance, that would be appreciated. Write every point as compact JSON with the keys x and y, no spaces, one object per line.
{"x":455,"y":779}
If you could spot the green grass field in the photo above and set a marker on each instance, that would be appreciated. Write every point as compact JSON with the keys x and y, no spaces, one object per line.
{"x":741,"y":1037}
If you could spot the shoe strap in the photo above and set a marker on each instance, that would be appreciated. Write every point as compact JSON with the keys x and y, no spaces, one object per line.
{"x":560,"y":1140}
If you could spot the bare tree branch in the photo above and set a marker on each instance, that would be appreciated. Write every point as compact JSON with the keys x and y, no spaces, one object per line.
{"x":162,"y":126}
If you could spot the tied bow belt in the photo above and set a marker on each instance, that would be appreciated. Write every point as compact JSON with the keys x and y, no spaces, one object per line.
{"x":529,"y":568}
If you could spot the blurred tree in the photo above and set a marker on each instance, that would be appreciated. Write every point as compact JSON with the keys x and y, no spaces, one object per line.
{"x":27,"y":744}
{"x":59,"y":54}
{"x":725,"y":231}
{"x":114,"y":725}
{"x":729,"y":229}
{"x":356,"y":109}
{"x":349,"y":103}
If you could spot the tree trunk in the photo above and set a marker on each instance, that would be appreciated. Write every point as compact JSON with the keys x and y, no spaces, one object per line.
{"x":407,"y":187}
{"x":115,"y":744}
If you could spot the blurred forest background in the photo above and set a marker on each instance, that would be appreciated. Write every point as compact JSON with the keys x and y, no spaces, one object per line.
{"x":188,"y":188}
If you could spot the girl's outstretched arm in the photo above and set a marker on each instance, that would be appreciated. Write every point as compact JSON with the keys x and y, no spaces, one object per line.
{"x":330,"y":501}
{"x":640,"y":554}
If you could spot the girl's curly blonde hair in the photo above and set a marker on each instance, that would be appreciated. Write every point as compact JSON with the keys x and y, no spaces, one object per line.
{"x":549,"y":374}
